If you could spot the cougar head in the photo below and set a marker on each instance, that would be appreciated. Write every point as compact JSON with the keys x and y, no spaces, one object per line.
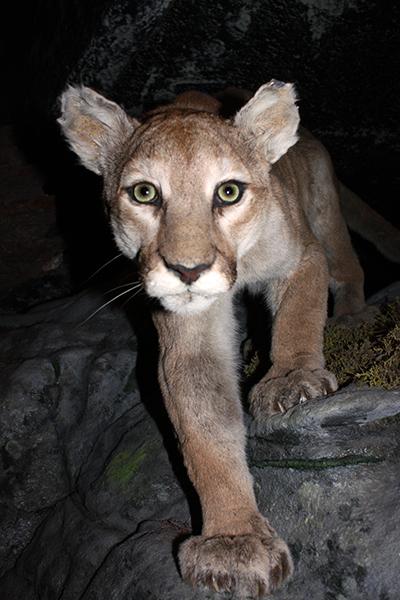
{"x":187,"y":191}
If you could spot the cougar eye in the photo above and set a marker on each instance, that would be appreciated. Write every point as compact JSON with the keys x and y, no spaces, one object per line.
{"x":228,"y":193}
{"x":144,"y":192}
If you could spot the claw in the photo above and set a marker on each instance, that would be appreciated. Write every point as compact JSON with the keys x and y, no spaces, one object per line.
{"x":215,"y":583}
{"x":261,"y":589}
{"x":280,"y":407}
{"x":302,"y":399}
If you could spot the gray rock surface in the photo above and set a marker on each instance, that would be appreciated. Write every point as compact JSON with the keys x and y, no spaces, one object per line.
{"x":94,"y":500}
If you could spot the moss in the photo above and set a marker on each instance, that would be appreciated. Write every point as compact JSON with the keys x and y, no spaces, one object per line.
{"x":252,"y":365}
{"x":317,"y":463}
{"x":368,"y":354}
{"x":55,"y":363}
{"x":124,"y":465}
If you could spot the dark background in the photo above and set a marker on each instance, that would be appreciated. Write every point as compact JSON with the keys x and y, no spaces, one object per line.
{"x":341,"y":54}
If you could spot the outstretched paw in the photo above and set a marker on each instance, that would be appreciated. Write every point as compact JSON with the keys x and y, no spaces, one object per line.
{"x":278,"y":394}
{"x":250,"y":566}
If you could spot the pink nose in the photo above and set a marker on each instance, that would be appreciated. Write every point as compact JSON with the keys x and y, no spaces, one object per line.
{"x":188,"y":274}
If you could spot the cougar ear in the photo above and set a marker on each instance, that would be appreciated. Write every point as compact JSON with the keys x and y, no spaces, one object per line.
{"x":93,"y":125}
{"x":271,"y":118}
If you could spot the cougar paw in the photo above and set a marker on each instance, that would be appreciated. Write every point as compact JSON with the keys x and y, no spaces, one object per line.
{"x":276,"y":395}
{"x":250,"y":566}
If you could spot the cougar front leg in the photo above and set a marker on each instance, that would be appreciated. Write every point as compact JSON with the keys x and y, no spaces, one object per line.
{"x":238,"y":550}
{"x":299,"y":306}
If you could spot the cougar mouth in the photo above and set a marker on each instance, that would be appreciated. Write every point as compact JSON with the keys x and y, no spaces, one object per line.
{"x":188,"y":302}
{"x":179,"y":297}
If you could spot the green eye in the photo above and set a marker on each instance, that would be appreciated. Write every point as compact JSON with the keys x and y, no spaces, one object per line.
{"x":144,"y":192}
{"x":229,"y":192}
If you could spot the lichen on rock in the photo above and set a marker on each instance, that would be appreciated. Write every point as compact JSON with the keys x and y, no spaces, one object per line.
{"x":368,"y":354}
{"x":124,"y":465}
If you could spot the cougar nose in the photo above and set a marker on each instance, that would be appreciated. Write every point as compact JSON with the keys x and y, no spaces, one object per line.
{"x":188,"y":274}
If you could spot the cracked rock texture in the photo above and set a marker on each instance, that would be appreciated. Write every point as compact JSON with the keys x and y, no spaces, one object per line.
{"x":94,"y":499}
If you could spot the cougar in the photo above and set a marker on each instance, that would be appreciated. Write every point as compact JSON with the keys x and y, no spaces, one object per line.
{"x":210,"y":206}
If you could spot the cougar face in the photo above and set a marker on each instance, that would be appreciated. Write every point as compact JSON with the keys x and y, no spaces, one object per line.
{"x":187,"y":202}
{"x":187,"y":190}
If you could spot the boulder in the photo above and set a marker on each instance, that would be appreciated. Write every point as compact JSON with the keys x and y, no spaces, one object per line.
{"x":94,"y":496}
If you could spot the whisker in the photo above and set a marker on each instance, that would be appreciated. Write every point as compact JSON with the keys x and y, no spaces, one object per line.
{"x":71,"y":301}
{"x":105,"y":304}
{"x":135,"y":285}
{"x":131,"y":297}
{"x":101,"y":268}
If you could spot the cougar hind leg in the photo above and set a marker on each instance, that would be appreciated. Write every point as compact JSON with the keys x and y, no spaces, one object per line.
{"x":347,"y":283}
{"x":346,"y":275}
{"x":345,"y":272}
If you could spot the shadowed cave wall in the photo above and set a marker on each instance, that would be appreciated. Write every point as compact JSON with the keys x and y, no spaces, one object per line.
{"x":341,"y":54}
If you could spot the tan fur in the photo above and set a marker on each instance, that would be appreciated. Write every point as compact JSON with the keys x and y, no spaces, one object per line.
{"x":285,"y":238}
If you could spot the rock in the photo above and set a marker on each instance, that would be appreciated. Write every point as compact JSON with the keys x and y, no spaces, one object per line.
{"x":94,"y":498}
{"x":336,"y":464}
{"x":85,"y":465}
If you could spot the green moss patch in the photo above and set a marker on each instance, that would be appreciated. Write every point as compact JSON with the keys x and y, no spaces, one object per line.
{"x":368,"y":354}
{"x":124,"y":465}
{"x":304,"y":464}
{"x":252,"y":365}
